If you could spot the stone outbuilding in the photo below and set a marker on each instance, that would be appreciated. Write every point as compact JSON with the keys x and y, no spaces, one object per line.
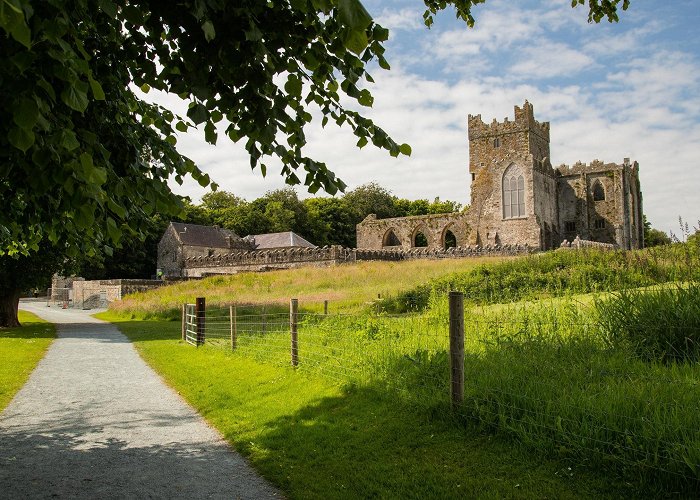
{"x":182,"y":241}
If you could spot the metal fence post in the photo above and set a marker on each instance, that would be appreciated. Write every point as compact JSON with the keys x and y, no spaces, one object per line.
{"x":232,"y":316}
{"x":456,"y":348}
{"x":200,"y":313}
{"x":293,"y":309}
{"x":184,"y":322}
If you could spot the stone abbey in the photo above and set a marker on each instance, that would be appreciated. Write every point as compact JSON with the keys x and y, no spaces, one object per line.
{"x":518,"y":198}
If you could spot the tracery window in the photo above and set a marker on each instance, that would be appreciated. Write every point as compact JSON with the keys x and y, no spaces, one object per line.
{"x":513,"y":193}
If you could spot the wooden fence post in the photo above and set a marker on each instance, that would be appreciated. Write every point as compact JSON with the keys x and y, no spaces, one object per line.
{"x":456,"y":348}
{"x":200,"y":313}
{"x":325,"y":308}
{"x":264,"y":319}
{"x":184,"y":322}
{"x":232,"y":319}
{"x":293,"y":309}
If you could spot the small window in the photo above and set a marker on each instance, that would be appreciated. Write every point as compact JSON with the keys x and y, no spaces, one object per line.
{"x":570,"y":227}
{"x":600,"y":223}
{"x":598,"y":192}
{"x":473,"y":176}
{"x":497,"y":142}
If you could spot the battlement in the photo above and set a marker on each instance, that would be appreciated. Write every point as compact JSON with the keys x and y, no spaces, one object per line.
{"x":597,"y":166}
{"x":524,"y":122}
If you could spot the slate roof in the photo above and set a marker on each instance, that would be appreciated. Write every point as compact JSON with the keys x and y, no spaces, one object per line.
{"x":203,"y":236}
{"x":280,"y":240}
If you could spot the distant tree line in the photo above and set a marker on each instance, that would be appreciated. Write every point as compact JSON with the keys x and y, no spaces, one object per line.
{"x":321,"y":220}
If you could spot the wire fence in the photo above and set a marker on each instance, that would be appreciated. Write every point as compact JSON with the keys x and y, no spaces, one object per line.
{"x":557,"y":381}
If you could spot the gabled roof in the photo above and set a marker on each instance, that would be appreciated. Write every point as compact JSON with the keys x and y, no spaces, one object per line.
{"x":203,"y":236}
{"x":286,"y":239}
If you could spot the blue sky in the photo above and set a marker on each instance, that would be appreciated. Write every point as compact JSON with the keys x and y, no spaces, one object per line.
{"x":610,"y":91}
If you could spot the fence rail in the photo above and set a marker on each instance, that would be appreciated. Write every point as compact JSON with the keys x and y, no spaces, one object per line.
{"x":551,"y":380}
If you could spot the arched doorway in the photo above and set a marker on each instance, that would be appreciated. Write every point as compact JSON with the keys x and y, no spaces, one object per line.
{"x":449,"y":240}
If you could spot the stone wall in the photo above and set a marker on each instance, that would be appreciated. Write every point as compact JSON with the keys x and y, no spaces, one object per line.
{"x":401,"y":232}
{"x":265,"y":260}
{"x":98,"y":293}
{"x":579,"y":244}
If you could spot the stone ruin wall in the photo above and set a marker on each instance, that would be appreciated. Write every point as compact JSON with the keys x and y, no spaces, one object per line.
{"x":373,"y":233}
{"x":266,"y":260}
{"x":98,"y":293}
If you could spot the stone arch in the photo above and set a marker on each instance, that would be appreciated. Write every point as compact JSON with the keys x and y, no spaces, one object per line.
{"x":390,"y":239}
{"x":420,"y":238}
{"x":513,"y":190}
{"x":598,"y":191}
{"x":448,"y":238}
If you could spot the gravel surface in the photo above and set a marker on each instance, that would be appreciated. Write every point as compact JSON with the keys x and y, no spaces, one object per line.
{"x":94,"y":421}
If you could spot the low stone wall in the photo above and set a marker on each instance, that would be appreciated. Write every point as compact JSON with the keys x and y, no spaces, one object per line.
{"x":99,"y":293}
{"x":265,"y":260}
{"x":578,"y":244}
{"x":450,"y":253}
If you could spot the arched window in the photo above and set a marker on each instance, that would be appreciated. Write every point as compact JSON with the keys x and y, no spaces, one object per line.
{"x":598,"y":191}
{"x":513,"y":193}
{"x":420,"y":240}
{"x":390,"y":239}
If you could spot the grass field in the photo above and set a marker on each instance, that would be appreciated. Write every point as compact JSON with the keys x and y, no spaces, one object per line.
{"x":360,"y":284}
{"x":551,"y":381}
{"x":318,"y":439}
{"x":20,"y":351}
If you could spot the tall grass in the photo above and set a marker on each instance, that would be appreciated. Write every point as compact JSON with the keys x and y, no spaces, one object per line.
{"x":555,"y":274}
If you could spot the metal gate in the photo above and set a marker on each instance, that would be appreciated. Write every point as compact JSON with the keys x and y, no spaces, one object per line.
{"x":191,"y":324}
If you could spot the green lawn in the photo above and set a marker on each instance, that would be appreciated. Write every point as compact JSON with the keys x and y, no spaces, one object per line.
{"x":20,"y":351}
{"x":316,"y":439}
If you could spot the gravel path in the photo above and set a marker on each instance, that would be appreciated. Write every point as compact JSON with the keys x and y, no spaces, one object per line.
{"x":94,"y":421}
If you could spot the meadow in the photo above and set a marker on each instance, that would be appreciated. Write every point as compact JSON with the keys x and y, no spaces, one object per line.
{"x":586,"y":365}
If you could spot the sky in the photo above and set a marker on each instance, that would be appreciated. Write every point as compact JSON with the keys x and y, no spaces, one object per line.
{"x":609,"y":91}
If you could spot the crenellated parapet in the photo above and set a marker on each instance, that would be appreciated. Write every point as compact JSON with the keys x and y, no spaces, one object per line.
{"x":596,"y":166}
{"x":524,"y":122}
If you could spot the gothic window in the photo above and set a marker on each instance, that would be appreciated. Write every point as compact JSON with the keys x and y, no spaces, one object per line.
{"x":570,"y":226}
{"x":497,"y":142}
{"x":513,"y":193}
{"x":420,"y":240}
{"x":390,"y":239}
{"x":600,"y":223}
{"x":598,"y":191}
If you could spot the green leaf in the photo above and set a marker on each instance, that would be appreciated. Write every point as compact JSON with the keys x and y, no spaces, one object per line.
{"x":293,"y":86}
{"x":208,"y":28}
{"x":68,"y":140}
{"x":210,"y":133}
{"x":75,"y":96}
{"x":355,"y":41}
{"x":365,"y":98}
{"x":116,"y":208}
{"x":12,"y":20}
{"x":145,"y":88}
{"x":26,"y":113}
{"x":197,"y":113}
{"x":21,"y":138}
{"x":362,"y":142}
{"x":96,"y":88}
{"x":405,"y":149}
{"x":353,"y":14}
{"x":108,"y":7}
{"x":181,"y":126}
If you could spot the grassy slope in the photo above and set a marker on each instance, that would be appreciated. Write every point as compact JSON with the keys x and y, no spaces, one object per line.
{"x":318,"y":440}
{"x":346,"y":287}
{"x":20,"y":351}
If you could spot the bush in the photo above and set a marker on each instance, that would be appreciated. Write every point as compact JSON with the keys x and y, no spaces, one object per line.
{"x":658,"y":325}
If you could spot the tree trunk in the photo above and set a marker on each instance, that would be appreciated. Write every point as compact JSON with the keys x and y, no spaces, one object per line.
{"x":9,"y":303}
